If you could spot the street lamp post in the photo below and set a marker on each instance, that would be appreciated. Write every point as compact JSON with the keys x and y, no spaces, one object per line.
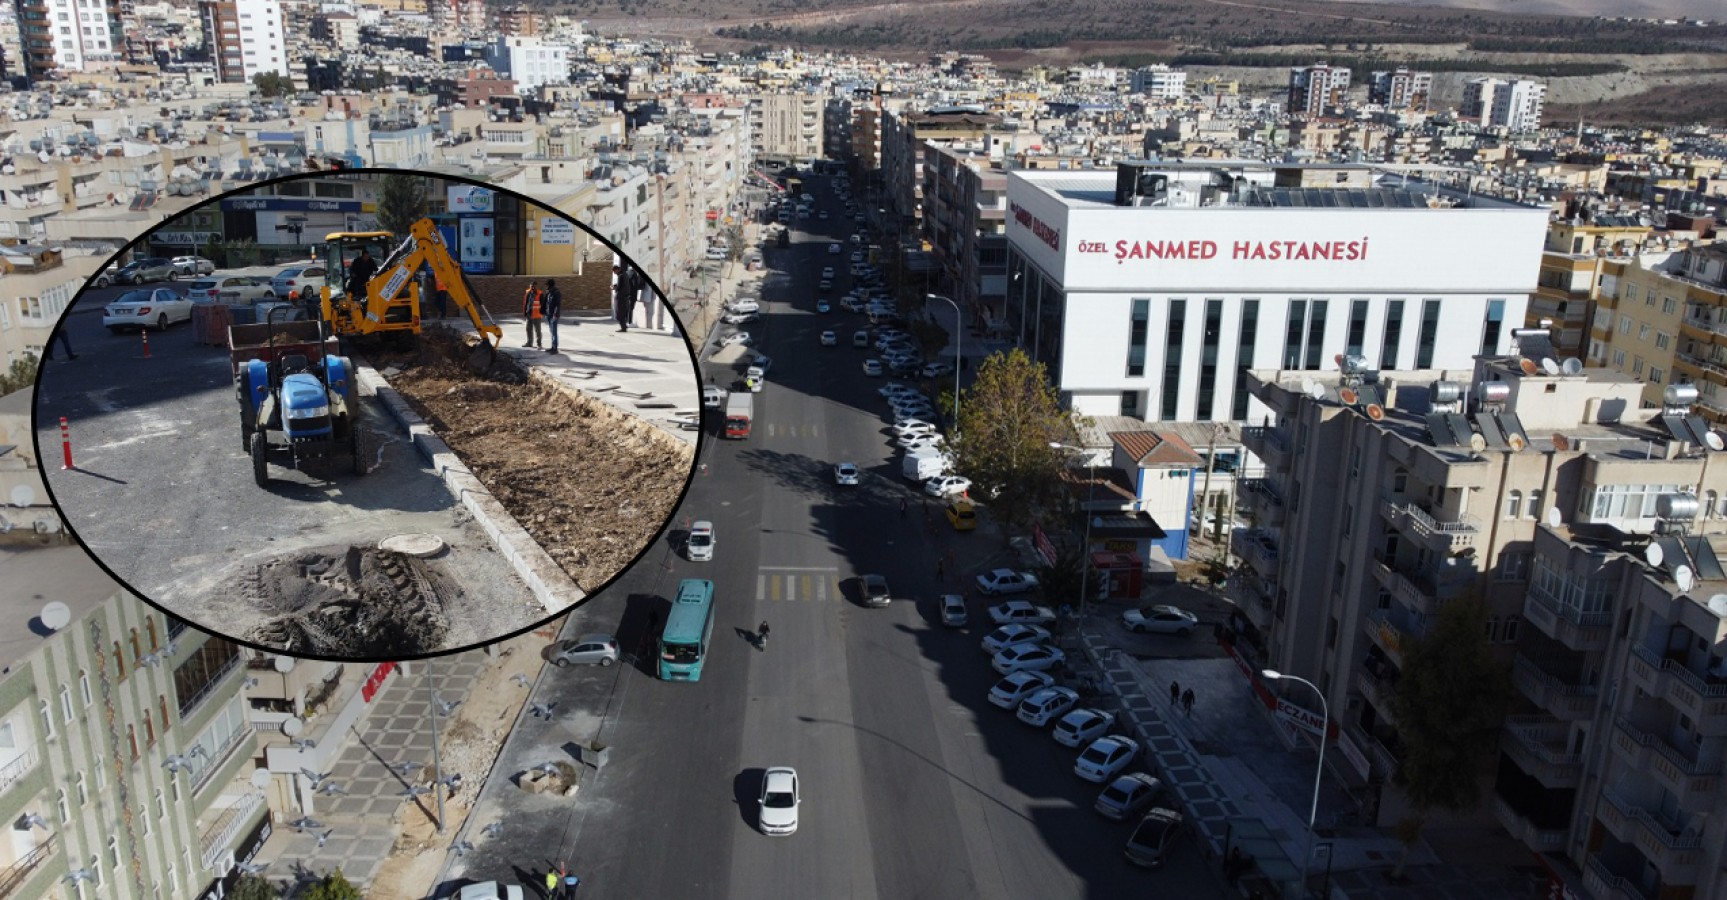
{"x":958,"y":352}
{"x":1319,"y":774}
{"x":437,"y":764}
{"x":1085,"y":544}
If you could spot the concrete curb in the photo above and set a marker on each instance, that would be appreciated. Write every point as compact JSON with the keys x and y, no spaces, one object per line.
{"x":549,"y":584}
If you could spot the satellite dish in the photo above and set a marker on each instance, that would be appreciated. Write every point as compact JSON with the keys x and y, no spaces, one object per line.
{"x":1553,"y":517}
{"x":1718,"y":605}
{"x":285,"y":664}
{"x":1561,"y":443}
{"x":1316,"y":390}
{"x":1516,"y":443}
{"x":1713,"y":439}
{"x":293,"y":725}
{"x":56,"y":615}
{"x":1348,"y":397}
{"x":1529,"y":367}
{"x":1375,"y":412}
{"x":1654,"y":555}
{"x":1571,"y":366}
{"x":1682,"y":578}
{"x":261,"y":778}
{"x":24,"y":495}
{"x":1477,"y":443}
{"x":1550,"y":365}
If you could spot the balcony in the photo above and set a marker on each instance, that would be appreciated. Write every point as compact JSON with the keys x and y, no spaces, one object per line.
{"x":1377,"y":691}
{"x":1265,"y":498}
{"x":1538,"y":745}
{"x":1688,"y":359}
{"x":1253,"y":595}
{"x":1257,"y":548}
{"x":16,"y":769}
{"x":219,"y":837}
{"x":1439,"y":535}
{"x":1522,"y":828}
{"x":1567,"y":624}
{"x":1384,"y":761}
{"x":1388,"y":632}
{"x":1702,"y":322}
{"x":1692,"y":780}
{"x":1666,"y":843}
{"x":13,"y":877}
{"x":1269,"y":444}
{"x":1565,"y":700}
{"x":1604,"y":883}
{"x":1421,"y":591}
{"x":1669,"y":679}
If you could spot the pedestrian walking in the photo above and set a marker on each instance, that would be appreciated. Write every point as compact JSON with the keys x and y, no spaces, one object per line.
{"x":626,"y":286}
{"x":65,"y":344}
{"x":1174,"y":693}
{"x":762,"y":636}
{"x":1187,"y":701}
{"x":554,"y":308}
{"x":940,"y":570}
{"x":551,"y":883}
{"x":533,"y":309}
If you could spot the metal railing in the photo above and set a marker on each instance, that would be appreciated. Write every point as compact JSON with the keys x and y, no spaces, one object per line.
{"x":1679,"y":670}
{"x":14,"y":875}
{"x":1571,"y":613}
{"x":203,"y":693}
{"x":1270,"y":434}
{"x":17,"y":769}
{"x":1463,"y":525}
{"x":1596,"y":870}
{"x":216,"y":839}
{"x":219,"y":756}
{"x":1700,"y":362}
{"x":1550,"y":681}
{"x":1665,"y":749}
{"x":1671,"y":834}
{"x":1543,"y":738}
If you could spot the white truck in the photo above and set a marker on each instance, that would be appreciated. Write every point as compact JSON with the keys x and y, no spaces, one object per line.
{"x":923,"y":464}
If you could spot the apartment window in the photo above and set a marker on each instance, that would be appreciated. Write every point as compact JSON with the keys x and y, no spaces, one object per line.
{"x":1624,"y":324}
{"x":1174,"y":337}
{"x":137,"y":649}
{"x":1513,"y":566}
{"x":1316,"y":334}
{"x":1668,"y":305}
{"x":113,"y":853}
{"x":1136,"y":337}
{"x":132,"y":740}
{"x":1709,"y":504}
{"x":161,"y":806}
{"x":1624,"y":501}
{"x":1399,"y":481}
{"x":83,"y":795}
{"x":1357,"y":327}
{"x":162,"y":711}
{"x":1292,"y":334}
{"x":1619,"y":359}
{"x":1392,"y":335}
{"x":1491,"y":629}
{"x":1513,"y":504}
{"x":47,"y":711}
{"x":1663,"y":341}
{"x":1636,"y":365}
{"x":1208,"y":356}
{"x":62,"y":806}
{"x":1491,"y":328}
{"x":65,"y":704}
{"x":1509,"y":634}
{"x":1244,"y":357}
{"x":149,"y":730}
{"x":1429,"y":334}
{"x":1533,"y":506}
{"x":1643,"y":332}
{"x":1654,"y":375}
{"x":1648,"y":296}
{"x":1130,"y":403}
{"x":84,"y":687}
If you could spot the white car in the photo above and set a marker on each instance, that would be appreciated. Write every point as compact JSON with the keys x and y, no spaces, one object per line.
{"x":1016,"y":687}
{"x":700,"y":545}
{"x":1159,"y":619}
{"x":953,"y":610}
{"x":894,"y":388}
{"x":857,"y":238}
{"x":779,"y":801}
{"x":741,"y":337}
{"x":860,"y":339}
{"x":1006,"y":581}
{"x":846,"y":474}
{"x":829,"y":339}
{"x":828,"y":273}
{"x":1027,"y":658}
{"x":230,"y":288}
{"x":743,"y":305}
{"x":1008,"y":635}
{"x":936,"y":370}
{"x":1082,"y":725}
{"x":146,"y":308}
{"x":918,"y":442}
{"x":1038,"y":709}
{"x":491,"y":890}
{"x":947,"y":484}
{"x":913,"y":426}
{"x":296,"y":279}
{"x":192,"y":265}
{"x":713,"y":396}
{"x":1021,"y":611}
{"x":1105,"y":757}
{"x":857,"y":256}
{"x":822,"y":306}
{"x":739,"y":318}
{"x":833,"y":248}
{"x":872,"y":368}
{"x":1127,"y":795}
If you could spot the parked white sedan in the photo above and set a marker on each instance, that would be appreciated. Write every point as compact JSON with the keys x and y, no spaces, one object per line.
{"x":146,"y":308}
{"x":230,"y":289}
{"x":1006,"y":581}
{"x":1105,"y":757}
{"x":1027,"y":658}
{"x":1082,"y":725}
{"x":946,"y":484}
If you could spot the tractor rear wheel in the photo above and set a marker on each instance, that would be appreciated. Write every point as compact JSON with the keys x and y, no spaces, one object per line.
{"x":356,"y":445}
{"x":260,"y":460}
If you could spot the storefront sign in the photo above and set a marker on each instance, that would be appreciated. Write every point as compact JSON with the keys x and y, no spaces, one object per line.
{"x":467,"y":198}
{"x":185,"y":238}
{"x":1302,"y":717}
{"x":1040,"y":229}
{"x":556,"y":232}
{"x":476,"y":244}
{"x":1234,"y":251}
{"x":290,"y":204}
{"x":1041,"y":541}
{"x":375,"y":680}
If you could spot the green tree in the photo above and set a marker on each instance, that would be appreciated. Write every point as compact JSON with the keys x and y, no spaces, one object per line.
{"x":401,"y":202}
{"x":1008,"y":419}
{"x":21,"y":375}
{"x":1062,"y":579}
{"x":273,"y":84}
{"x":335,"y":886}
{"x":1449,"y":704}
{"x":253,"y":887}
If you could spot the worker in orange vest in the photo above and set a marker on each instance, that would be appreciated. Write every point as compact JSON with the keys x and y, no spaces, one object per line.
{"x":534,"y":310}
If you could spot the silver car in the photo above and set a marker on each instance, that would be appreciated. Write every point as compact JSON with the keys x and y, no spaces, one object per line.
{"x":587,"y":650}
{"x":193,"y":265}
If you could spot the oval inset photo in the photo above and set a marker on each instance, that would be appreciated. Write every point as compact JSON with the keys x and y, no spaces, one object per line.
{"x":368,"y":414}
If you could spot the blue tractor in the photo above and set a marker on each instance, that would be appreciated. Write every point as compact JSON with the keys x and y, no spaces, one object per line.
{"x":297,"y":395}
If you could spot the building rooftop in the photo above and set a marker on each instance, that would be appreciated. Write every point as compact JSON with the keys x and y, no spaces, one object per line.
{"x":30,"y":578}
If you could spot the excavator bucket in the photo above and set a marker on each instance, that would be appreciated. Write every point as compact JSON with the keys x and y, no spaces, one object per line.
{"x":483,"y":357}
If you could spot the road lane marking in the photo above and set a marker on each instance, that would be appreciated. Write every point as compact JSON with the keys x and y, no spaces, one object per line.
{"x":792,"y":587}
{"x":761,"y":588}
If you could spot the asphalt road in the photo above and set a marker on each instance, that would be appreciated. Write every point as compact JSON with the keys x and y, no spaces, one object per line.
{"x":164,"y":496}
{"x":914,"y":786}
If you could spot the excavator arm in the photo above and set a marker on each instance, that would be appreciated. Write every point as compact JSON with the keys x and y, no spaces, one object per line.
{"x":424,"y":247}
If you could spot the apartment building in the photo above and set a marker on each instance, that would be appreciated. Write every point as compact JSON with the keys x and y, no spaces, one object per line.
{"x":1581,"y":254}
{"x":40,"y":284}
{"x":1662,"y":318}
{"x":1498,"y":103}
{"x":965,"y":218}
{"x":903,"y":138}
{"x":529,"y":61}
{"x":1159,"y":82}
{"x":786,"y":127}
{"x":1313,"y":88}
{"x":125,"y":750}
{"x":1150,"y":290}
{"x":1400,"y":89}
{"x":81,"y":35}
{"x":1396,"y":492}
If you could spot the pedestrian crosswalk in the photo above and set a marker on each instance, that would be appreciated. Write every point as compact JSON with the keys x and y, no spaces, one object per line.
{"x":798,"y":584}
{"x":794,"y":431}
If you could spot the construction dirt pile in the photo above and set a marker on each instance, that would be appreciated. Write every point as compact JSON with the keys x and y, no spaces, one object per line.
{"x":355,"y":602}
{"x":592,"y":484}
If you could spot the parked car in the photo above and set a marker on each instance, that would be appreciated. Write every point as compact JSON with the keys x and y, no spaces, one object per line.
{"x":1082,"y":725}
{"x":937,"y":370}
{"x":832,"y":248}
{"x":1152,"y":838}
{"x":1027,"y":657}
{"x":1008,"y":635}
{"x":1008,"y":692}
{"x":192,"y":265}
{"x":860,"y":339}
{"x":953,"y":611}
{"x":713,"y":396}
{"x":298,"y":279}
{"x":743,"y":304}
{"x":1021,"y":611}
{"x":1127,"y":794}
{"x":947,"y":484}
{"x":741,"y":337}
{"x":872,"y":368}
{"x":1041,"y":707}
{"x":143,"y":271}
{"x":779,"y":801}
{"x":829,"y":339}
{"x":700,"y":544}
{"x":104,"y":276}
{"x":740,"y":318}
{"x":1159,"y":619}
{"x":1006,"y":581}
{"x":1105,"y":757}
{"x":846,"y":474}
{"x":822,"y":306}
{"x":492,"y":890}
{"x":591,"y":649}
{"x":146,"y":308}
{"x":241,"y":289}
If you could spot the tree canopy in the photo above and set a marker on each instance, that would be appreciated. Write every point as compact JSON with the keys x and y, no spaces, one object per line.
{"x":401,"y":202}
{"x":273,"y":84}
{"x":1007,"y":421}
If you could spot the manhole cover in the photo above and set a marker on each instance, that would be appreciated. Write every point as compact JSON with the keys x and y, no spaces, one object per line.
{"x":420,"y":545}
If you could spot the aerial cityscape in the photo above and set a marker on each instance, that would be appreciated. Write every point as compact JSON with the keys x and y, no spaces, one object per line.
{"x":980,"y":449}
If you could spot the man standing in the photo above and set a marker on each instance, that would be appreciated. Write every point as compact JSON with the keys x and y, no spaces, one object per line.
{"x":624,"y":299}
{"x":65,"y":343}
{"x":360,"y":272}
{"x":443,"y":296}
{"x":533,"y":309}
{"x":554,"y":307}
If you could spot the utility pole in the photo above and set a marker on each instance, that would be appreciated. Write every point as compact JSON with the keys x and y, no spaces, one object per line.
{"x":1210,"y":463}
